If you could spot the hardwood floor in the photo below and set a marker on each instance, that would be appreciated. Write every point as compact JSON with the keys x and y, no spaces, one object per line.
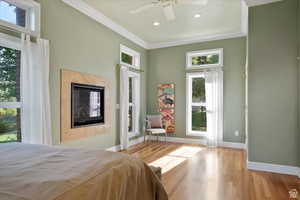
{"x":194,"y":172}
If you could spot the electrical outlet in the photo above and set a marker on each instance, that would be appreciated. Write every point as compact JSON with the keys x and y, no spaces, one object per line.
{"x":236,"y":133}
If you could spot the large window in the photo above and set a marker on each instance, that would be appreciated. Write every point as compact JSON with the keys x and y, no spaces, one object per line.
{"x":134,"y":101}
{"x":10,"y":112}
{"x":22,"y":15}
{"x":204,"y":59}
{"x":196,"y":104}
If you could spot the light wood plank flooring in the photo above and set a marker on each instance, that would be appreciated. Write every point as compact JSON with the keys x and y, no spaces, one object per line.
{"x":194,"y":172}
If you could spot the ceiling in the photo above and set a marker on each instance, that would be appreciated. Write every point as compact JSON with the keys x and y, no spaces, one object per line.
{"x":218,"y":18}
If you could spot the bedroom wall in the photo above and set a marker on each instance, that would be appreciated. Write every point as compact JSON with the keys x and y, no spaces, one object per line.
{"x":167,"y":65}
{"x":81,"y":44}
{"x":273,"y":83}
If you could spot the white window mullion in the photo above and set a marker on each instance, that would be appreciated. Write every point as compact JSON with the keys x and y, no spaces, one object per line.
{"x":10,"y":104}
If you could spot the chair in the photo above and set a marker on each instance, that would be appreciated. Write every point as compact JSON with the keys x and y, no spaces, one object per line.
{"x":154,"y":127}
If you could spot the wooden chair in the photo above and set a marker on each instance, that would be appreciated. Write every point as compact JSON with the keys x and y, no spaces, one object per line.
{"x":154,"y":127}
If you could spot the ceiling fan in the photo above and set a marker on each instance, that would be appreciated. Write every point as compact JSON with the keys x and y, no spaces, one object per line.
{"x":168,"y":6}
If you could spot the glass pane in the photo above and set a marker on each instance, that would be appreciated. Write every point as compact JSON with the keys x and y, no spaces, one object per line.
{"x":130,"y":89}
{"x":130,"y":120}
{"x":199,"y":118}
{"x":10,"y":125}
{"x":12,"y":14}
{"x":206,"y":59}
{"x":127,"y":59}
{"x":9,"y":75}
{"x":199,"y":90}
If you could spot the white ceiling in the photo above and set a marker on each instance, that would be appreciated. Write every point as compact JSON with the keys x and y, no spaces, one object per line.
{"x":218,"y":17}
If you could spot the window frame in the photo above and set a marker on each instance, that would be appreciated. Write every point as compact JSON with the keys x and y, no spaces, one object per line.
{"x":135,"y":103}
{"x":190,"y":104}
{"x":11,"y":42}
{"x":33,"y":15}
{"x":135,"y":55}
{"x":190,"y":55}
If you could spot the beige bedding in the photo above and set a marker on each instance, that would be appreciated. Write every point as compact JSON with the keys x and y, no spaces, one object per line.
{"x":37,"y":172}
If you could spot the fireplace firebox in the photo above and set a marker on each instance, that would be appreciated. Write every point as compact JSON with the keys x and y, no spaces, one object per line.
{"x":88,"y":106}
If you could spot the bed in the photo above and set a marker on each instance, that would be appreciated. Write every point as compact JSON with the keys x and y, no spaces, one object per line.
{"x":39,"y":172}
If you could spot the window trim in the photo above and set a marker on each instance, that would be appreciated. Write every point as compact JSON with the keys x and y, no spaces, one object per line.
{"x":135,"y":55}
{"x":191,"y":54}
{"x":189,"y":104}
{"x":33,"y":15}
{"x":136,"y":101}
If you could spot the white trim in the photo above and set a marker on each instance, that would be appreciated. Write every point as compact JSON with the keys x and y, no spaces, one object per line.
{"x":136,"y":56}
{"x":233,"y":145}
{"x":136,"y":100}
{"x":33,"y":17}
{"x":131,"y":143}
{"x":251,"y":3}
{"x":191,"y":54}
{"x":280,"y":169}
{"x":10,"y":104}
{"x":182,"y":140}
{"x":197,"y":39}
{"x":244,"y":17}
{"x":10,"y":41}
{"x":93,"y":13}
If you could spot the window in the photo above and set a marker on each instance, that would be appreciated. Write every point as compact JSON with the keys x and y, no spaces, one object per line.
{"x":196,"y":104}
{"x":10,"y":106}
{"x":134,"y":102}
{"x":202,"y":59}
{"x":22,"y":15}
{"x":129,"y":57}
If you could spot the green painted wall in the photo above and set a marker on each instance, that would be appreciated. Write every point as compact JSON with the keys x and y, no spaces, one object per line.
{"x":81,"y":44}
{"x":273,"y":83}
{"x":167,"y":65}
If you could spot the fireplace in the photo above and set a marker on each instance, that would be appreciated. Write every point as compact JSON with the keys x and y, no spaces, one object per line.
{"x":88,"y":106}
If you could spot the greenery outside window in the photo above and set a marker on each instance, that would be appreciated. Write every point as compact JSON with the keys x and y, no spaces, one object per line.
{"x":204,"y":59}
{"x":10,"y":98}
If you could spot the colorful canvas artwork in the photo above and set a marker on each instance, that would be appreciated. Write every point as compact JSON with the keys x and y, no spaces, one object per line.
{"x":166,"y":96}
{"x":166,"y":106}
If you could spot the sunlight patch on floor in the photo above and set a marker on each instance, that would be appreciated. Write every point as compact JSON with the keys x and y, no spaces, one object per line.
{"x":175,"y":158}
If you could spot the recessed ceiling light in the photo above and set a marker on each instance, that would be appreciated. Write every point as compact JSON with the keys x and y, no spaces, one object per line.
{"x":156,"y":23}
{"x":197,"y":15}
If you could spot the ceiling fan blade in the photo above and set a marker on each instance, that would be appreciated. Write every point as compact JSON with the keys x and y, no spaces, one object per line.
{"x":141,"y":9}
{"x":194,"y":2}
{"x":169,"y":12}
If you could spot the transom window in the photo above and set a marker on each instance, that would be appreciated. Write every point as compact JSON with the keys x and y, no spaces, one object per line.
{"x":10,"y":98}
{"x":196,"y":104}
{"x":204,"y":59}
{"x":129,"y":57}
{"x":23,"y":16}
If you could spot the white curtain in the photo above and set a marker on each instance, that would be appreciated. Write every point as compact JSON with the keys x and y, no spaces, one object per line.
{"x":35,"y":120}
{"x":214,"y":99}
{"x":124,"y":107}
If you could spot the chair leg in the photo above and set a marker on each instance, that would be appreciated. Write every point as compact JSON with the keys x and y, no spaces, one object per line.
{"x":165,"y":137}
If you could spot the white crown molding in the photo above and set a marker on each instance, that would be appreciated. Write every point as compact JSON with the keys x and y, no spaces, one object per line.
{"x":88,"y":10}
{"x":280,"y":169}
{"x":96,"y":15}
{"x":251,"y":3}
{"x":196,"y":40}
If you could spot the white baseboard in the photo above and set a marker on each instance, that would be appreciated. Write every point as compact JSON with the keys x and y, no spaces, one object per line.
{"x":182,"y":140}
{"x":233,"y":145}
{"x":131,"y":142}
{"x":280,"y":169}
